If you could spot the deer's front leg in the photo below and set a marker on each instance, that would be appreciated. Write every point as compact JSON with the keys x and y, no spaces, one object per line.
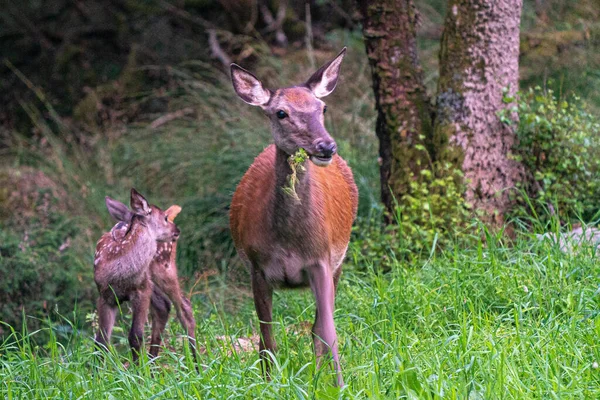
{"x":140,"y":303}
{"x":324,"y":335}
{"x":160,"y":307}
{"x":263,"y":301}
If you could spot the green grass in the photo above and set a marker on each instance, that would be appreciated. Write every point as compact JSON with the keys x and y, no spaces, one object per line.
{"x":494,"y":321}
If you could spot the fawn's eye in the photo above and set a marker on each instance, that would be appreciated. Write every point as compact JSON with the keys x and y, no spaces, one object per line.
{"x":324,"y":109}
{"x":166,"y":218}
{"x":281,"y":114}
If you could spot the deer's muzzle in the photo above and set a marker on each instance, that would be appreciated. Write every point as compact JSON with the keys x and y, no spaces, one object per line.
{"x":324,"y":151}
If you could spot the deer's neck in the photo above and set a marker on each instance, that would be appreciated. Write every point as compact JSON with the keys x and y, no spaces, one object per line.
{"x":291,"y":213}
{"x":139,"y":246}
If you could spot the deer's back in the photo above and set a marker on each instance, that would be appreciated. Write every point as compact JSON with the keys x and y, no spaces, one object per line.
{"x":121,"y":263}
{"x":324,"y":228}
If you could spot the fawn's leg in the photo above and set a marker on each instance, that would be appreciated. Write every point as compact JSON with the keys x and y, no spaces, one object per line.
{"x":169,"y":284}
{"x":140,"y":303}
{"x":185,"y":314}
{"x":107,"y":314}
{"x":324,"y":335}
{"x":160,"y":307}
{"x":263,"y":301}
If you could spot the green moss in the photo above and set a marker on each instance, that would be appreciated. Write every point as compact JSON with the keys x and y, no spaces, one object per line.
{"x":86,"y":110}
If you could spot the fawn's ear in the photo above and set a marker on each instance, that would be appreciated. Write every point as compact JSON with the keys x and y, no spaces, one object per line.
{"x":322,"y":82}
{"x":118,"y":210}
{"x":248,"y":87}
{"x":139,"y":205}
{"x":172,"y":212}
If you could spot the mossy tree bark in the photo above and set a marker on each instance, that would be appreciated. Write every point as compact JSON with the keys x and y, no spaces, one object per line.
{"x":478,"y":59}
{"x":404,"y":124}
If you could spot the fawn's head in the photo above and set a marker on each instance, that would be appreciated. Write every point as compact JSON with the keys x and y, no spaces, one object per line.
{"x":296,"y":113}
{"x":159,"y":223}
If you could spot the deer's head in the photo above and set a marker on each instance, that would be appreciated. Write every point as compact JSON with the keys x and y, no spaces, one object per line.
{"x":296,"y":113}
{"x":159,"y":223}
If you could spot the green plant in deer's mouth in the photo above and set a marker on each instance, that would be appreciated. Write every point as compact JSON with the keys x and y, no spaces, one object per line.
{"x":296,"y":162}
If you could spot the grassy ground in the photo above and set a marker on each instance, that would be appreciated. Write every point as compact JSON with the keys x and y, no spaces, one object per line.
{"x":494,"y":321}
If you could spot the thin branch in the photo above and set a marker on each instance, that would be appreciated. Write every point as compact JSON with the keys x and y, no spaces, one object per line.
{"x":186,"y":15}
{"x":342,"y":13}
{"x":309,"y":37}
{"x":275,"y":24}
{"x":216,"y":50}
{"x":171,"y":116}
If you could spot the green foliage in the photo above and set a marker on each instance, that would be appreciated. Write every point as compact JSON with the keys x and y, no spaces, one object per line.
{"x":428,"y":217}
{"x":40,"y":273}
{"x":559,"y":145}
{"x":434,"y":208}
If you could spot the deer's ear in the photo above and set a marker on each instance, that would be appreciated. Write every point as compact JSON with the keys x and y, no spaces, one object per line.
{"x":118,"y":210}
{"x":139,"y":205}
{"x":248,"y":87}
{"x":322,"y":82}
{"x":172,"y":212}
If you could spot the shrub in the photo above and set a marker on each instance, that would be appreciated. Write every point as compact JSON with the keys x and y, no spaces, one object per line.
{"x":425,"y":219}
{"x":41,"y":272}
{"x":559,"y":145}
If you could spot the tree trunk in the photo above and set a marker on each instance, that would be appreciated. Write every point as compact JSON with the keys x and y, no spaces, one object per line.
{"x":404,"y":124}
{"x":478,"y":59}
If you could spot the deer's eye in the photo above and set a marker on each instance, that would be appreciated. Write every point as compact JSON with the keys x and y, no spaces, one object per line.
{"x":281,"y":114}
{"x":324,"y":109}
{"x":166,"y":218}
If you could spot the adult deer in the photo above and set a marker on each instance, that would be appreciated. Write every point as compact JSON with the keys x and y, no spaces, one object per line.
{"x":290,"y":241}
{"x":163,"y":273}
{"x":122,"y":269}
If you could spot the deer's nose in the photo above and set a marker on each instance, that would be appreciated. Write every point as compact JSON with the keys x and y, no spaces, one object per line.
{"x":327,"y":149}
{"x":176,"y":233}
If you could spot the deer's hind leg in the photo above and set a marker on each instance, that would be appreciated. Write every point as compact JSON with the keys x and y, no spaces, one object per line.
{"x":107,"y":315}
{"x":183,"y":308}
{"x":185,"y":314}
{"x":160,"y":307}
{"x":140,"y":303}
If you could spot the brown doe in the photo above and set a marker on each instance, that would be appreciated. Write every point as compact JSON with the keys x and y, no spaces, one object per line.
{"x":122,"y":269}
{"x":292,"y":241}
{"x":163,"y":273}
